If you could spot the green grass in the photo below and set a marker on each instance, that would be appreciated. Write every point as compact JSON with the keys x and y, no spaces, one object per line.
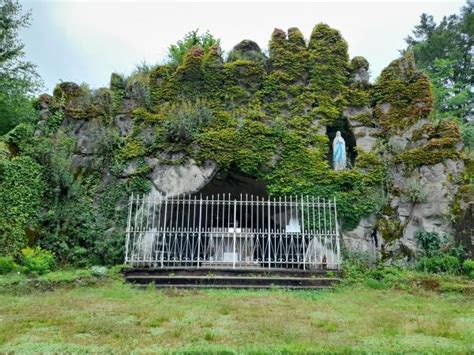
{"x":115,"y":317}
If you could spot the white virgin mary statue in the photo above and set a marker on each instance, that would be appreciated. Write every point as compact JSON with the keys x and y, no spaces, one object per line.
{"x":339,"y":152}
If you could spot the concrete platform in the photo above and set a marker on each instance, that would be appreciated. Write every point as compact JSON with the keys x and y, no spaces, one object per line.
{"x":230,"y":278}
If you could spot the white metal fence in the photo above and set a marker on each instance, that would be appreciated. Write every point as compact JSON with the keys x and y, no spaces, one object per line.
{"x":295,"y":232}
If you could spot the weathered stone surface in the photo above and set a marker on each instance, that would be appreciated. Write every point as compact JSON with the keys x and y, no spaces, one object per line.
{"x":172,"y":180}
{"x":130,"y":170}
{"x":398,"y":144}
{"x":436,"y":191}
{"x":385,"y":108}
{"x":88,"y":135}
{"x":360,"y":70}
{"x":124,"y":123}
{"x":365,"y":138}
{"x":360,"y":239}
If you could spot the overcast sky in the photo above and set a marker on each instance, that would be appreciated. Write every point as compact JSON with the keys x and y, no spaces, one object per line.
{"x":85,"y":40}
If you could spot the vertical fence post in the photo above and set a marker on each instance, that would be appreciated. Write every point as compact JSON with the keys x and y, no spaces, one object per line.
{"x":302,"y":229}
{"x":163,"y":240}
{"x":199,"y":231}
{"x":235,"y":230}
{"x":338,"y":257}
{"x":269,"y":238}
{"x":129,"y":223}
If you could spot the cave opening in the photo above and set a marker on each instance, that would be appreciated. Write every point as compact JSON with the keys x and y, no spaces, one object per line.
{"x":349,"y":137}
{"x":228,"y":186}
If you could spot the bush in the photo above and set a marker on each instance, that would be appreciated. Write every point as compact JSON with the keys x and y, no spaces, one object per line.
{"x":37,"y":260}
{"x":177,"y":52}
{"x":468,"y":268}
{"x":356,"y":265}
{"x":6,"y":264}
{"x":185,"y":120}
{"x":440,"y":264}
{"x":440,"y":254}
{"x":98,"y":271}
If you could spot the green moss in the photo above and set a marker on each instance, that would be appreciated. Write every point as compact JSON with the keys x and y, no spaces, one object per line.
{"x":218,"y":145}
{"x":329,"y":77}
{"x":255,"y":147}
{"x":402,"y":95}
{"x":442,"y":138}
{"x":390,"y":230}
{"x":133,"y":148}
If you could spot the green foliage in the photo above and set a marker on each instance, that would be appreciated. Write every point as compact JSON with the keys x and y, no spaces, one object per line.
{"x":414,"y":193}
{"x":444,"y":51}
{"x":330,"y":71}
{"x":440,"y":264}
{"x":7,"y":264}
{"x":192,"y":39}
{"x":37,"y":260}
{"x":468,"y":268}
{"x":247,"y":50}
{"x":440,"y":255}
{"x":97,"y":270}
{"x":467,"y":132}
{"x":18,"y":78}
{"x":442,"y":138}
{"x":402,"y":95}
{"x":21,"y":189}
{"x":82,"y":103}
{"x":184,"y":120}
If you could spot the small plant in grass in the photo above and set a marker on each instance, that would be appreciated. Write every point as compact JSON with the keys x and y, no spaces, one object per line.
{"x":7,"y":264}
{"x":37,"y":260}
{"x":99,"y":271}
{"x":356,"y":265}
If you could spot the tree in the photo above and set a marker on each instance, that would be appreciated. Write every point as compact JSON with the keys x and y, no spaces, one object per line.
{"x":191,"y":39}
{"x":18,"y":77}
{"x":444,"y":51}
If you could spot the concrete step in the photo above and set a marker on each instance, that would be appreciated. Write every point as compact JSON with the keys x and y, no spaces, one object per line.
{"x":191,"y":280}
{"x":241,"y":287}
{"x":228,"y":271}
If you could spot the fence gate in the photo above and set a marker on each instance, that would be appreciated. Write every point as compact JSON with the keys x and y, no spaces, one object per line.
{"x":294,"y":232}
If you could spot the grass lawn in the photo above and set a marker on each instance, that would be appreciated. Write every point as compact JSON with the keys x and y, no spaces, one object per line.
{"x":115,"y":317}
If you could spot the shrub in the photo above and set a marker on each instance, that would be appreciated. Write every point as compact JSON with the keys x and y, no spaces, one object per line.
{"x":98,"y":271}
{"x":415,"y":193}
{"x":185,"y":120}
{"x":468,"y":268}
{"x":356,"y":265}
{"x":176,"y":52}
{"x":37,"y":260}
{"x":434,"y":244}
{"x":440,"y":264}
{"x":6,"y":264}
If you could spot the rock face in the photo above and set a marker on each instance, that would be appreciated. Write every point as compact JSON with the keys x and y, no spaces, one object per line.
{"x":366,"y":136}
{"x":186,"y":178}
{"x":360,"y":239}
{"x":432,"y":187}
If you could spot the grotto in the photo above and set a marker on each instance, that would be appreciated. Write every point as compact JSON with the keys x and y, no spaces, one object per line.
{"x":247,"y":124}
